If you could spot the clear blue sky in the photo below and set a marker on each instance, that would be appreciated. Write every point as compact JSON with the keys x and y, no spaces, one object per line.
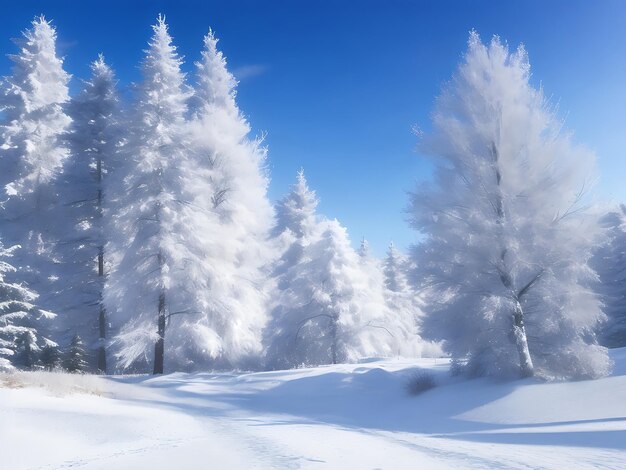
{"x":338,"y":85}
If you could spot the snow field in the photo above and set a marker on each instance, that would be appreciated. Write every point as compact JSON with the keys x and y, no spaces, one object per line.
{"x":342,"y":416}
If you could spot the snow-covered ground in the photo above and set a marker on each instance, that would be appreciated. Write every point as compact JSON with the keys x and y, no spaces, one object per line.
{"x":344,"y":416}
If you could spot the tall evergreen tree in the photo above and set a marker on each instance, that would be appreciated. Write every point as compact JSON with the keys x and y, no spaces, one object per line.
{"x":230,"y":216}
{"x":507,"y":244}
{"x":194,"y":193}
{"x":32,"y":152}
{"x":296,"y":227}
{"x":95,"y":137}
{"x":146,"y":200}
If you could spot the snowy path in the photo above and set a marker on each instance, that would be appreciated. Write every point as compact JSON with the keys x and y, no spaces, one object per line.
{"x":345,"y":416}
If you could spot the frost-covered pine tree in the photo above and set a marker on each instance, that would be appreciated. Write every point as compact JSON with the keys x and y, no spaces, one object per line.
{"x":229,"y":217}
{"x":395,"y":336}
{"x":364,"y":248}
{"x":610,"y":263}
{"x":395,"y":280}
{"x":296,"y":211}
{"x":32,"y":152}
{"x":404,"y":306}
{"x":296,"y":225}
{"x":20,"y":319}
{"x":193,"y":202}
{"x":147,"y":246}
{"x":506,"y":239}
{"x":50,"y":358}
{"x":324,"y":312}
{"x":75,"y":356}
{"x":94,"y":137}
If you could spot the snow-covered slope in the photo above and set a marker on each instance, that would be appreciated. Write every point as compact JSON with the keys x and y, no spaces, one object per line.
{"x":344,"y":416}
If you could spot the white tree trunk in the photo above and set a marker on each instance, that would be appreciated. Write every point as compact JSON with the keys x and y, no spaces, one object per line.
{"x":521,"y":342}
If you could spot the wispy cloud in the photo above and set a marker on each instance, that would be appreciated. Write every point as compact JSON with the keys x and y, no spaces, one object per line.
{"x":63,"y":46}
{"x":246,"y":72}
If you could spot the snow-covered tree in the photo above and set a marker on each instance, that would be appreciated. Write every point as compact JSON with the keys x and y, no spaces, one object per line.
{"x":404,"y":306}
{"x":50,"y":357}
{"x":146,"y":196}
{"x":506,"y":238}
{"x":75,"y":356}
{"x":20,"y":319}
{"x":364,"y":249}
{"x":324,"y":312}
{"x":296,"y":225}
{"x":230,"y":215}
{"x":296,"y":211}
{"x":191,"y":199}
{"x":94,"y":138}
{"x":32,"y":105}
{"x":32,"y":152}
{"x":610,"y":263}
{"x":395,"y":279}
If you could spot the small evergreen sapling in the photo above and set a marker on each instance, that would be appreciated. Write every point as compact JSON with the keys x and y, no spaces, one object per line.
{"x":50,"y":358}
{"x":20,"y":319}
{"x":75,"y":356}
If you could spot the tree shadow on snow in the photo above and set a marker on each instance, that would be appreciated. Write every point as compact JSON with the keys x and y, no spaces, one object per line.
{"x":368,"y":400}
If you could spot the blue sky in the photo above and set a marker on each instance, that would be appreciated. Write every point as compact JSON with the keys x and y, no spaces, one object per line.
{"x":339,"y":85}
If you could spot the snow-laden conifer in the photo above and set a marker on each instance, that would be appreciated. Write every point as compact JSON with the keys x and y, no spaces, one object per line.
{"x":149,"y":278}
{"x":75,"y":356}
{"x":394,"y":263}
{"x":296,"y":226}
{"x":33,"y":117}
{"x":404,"y":306}
{"x":227,"y":218}
{"x":20,"y":319}
{"x":94,"y":137}
{"x":50,"y":357}
{"x":32,"y":126}
{"x":506,"y":238}
{"x":325,"y":312}
{"x":395,"y":338}
{"x":296,"y":211}
{"x":193,"y":203}
{"x":610,"y":263}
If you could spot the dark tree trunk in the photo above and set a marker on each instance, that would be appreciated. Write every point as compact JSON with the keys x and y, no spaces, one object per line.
{"x":159,"y":347}
{"x":102,"y":356}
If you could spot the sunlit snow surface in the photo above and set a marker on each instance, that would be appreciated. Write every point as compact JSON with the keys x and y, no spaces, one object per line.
{"x":344,"y":416}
